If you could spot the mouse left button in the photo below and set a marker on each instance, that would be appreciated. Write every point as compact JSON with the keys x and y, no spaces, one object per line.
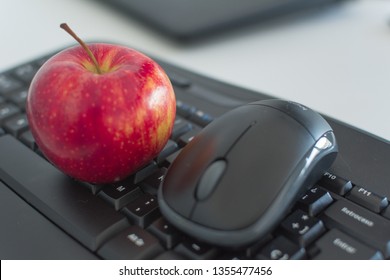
{"x":210,"y":179}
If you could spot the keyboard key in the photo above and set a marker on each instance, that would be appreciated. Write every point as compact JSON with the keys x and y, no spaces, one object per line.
{"x":168,"y":149}
{"x":169,"y":160}
{"x":335,"y":184}
{"x":120,"y":194}
{"x":314,"y":201}
{"x":386,"y":213}
{"x":178,"y":80}
{"x":195,"y":250}
{"x":28,"y":139}
{"x":184,"y":110}
{"x":19,"y":98}
{"x":360,"y":223}
{"x":7,"y":110}
{"x":73,"y":208}
{"x":251,"y":250}
{"x":187,"y":137}
{"x":180,"y":127}
{"x":93,"y":188}
{"x":145,"y":172}
{"x":302,"y":228}
{"x":133,"y":243}
{"x":16,"y":125}
{"x":153,"y":182}
{"x":336,"y":245}
{"x":201,"y":118}
{"x":142,"y":211}
{"x":281,"y":248}
{"x":8,"y":84}
{"x":165,"y":232}
{"x":26,"y":72}
{"x":368,"y":199}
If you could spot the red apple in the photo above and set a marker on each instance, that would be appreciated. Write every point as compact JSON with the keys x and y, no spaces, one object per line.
{"x":101,"y":127}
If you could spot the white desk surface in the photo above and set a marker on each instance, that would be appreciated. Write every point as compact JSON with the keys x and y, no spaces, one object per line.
{"x":336,"y":62}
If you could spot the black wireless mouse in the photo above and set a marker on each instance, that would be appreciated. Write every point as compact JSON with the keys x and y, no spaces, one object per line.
{"x":239,"y":177}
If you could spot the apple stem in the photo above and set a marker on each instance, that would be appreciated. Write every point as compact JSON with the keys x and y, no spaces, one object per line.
{"x":81,"y":42}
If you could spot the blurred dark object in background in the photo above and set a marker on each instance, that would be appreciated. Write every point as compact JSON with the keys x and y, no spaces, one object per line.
{"x":191,"y":19}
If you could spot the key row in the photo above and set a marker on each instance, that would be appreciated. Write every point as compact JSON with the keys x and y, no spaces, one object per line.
{"x":361,"y":195}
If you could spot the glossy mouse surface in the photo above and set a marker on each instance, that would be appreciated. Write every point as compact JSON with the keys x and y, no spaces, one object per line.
{"x":238,"y":178}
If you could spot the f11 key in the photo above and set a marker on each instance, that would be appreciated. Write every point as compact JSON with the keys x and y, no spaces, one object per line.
{"x":368,"y":199}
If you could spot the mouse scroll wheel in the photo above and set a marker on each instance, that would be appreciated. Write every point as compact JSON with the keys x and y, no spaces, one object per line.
{"x":210,"y":179}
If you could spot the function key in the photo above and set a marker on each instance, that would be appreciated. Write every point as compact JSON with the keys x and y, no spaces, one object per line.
{"x":336,"y":245}
{"x":314,"y":201}
{"x":368,"y":199}
{"x":335,"y":184}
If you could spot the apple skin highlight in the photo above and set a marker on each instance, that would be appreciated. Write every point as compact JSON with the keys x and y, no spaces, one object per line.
{"x":101,"y":128}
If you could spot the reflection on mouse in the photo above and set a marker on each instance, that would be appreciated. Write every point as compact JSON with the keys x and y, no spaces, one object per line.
{"x":236,"y":180}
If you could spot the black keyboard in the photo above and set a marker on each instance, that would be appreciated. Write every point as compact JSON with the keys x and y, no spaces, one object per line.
{"x":46,"y":215}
